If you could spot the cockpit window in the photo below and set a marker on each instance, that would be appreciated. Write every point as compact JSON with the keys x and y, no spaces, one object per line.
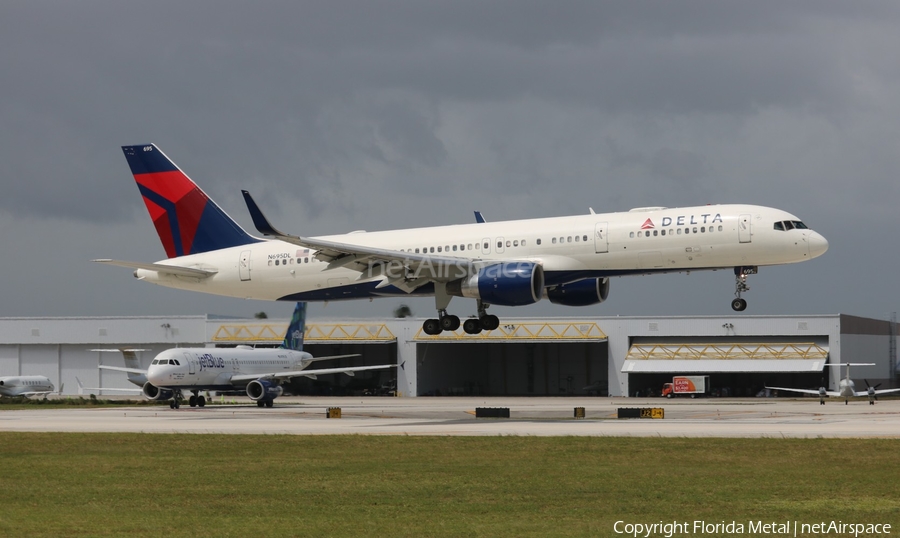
{"x":786,"y":225}
{"x":174,"y":362}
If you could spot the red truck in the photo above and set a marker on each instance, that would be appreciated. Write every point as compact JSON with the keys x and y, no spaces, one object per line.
{"x":686,"y":385}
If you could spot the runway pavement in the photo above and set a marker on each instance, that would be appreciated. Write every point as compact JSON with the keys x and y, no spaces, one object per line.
{"x":715,"y":417}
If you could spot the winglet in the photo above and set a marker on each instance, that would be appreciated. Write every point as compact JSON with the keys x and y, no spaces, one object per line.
{"x":259,"y":220}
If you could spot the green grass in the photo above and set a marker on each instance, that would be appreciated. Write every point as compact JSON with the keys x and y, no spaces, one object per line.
{"x":22,"y":402}
{"x":235,"y":485}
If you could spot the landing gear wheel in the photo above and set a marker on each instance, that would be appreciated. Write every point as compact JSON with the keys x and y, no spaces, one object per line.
{"x":260,"y":403}
{"x":192,"y":401}
{"x":172,"y":404}
{"x":201,"y":401}
{"x":738,"y":305}
{"x":176,"y":403}
{"x":450,"y":323}
{"x":432,"y":327}
{"x":270,"y":403}
{"x":472,"y":326}
{"x":490,"y":322}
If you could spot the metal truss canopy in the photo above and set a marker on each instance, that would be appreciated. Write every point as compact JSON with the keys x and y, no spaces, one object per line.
{"x":729,"y":351}
{"x":538,"y":331}
{"x":316,"y":333}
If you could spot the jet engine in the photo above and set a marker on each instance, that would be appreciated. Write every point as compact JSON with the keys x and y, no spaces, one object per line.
{"x":505,"y":284}
{"x":263,"y":389}
{"x":152,"y":392}
{"x":580,"y":293}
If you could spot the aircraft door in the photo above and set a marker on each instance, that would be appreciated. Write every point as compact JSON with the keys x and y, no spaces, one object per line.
{"x":744,"y":231}
{"x":486,"y":245}
{"x":244,"y":265}
{"x":192,"y":368}
{"x":601,"y":237}
{"x":500,"y":247}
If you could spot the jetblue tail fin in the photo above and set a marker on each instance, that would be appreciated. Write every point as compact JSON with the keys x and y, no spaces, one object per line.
{"x":293,"y":339}
{"x":186,"y":219}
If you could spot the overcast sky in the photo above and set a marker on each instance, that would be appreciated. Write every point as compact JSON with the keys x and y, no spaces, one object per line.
{"x":372,"y":115}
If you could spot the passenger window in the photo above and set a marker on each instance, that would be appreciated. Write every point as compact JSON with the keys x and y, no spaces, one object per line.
{"x":499,"y":244}
{"x":655,"y":233}
{"x":470,"y":246}
{"x":523,"y":242}
{"x":270,"y":263}
{"x":647,"y":233}
{"x":584,"y":238}
{"x":439,"y":249}
{"x":695,"y":229}
{"x":516,"y":243}
{"x":631,"y":235}
{"x":703,"y":229}
{"x":679,"y":231}
{"x":538,"y":241}
{"x":417,"y":251}
{"x":507,"y":244}
{"x":554,"y":241}
{"x":432,"y":250}
{"x":720,"y":227}
{"x":577,"y":238}
{"x":687,"y":231}
{"x":454,"y":248}
{"x":569,"y":240}
{"x":485,"y":246}
{"x":446,"y":248}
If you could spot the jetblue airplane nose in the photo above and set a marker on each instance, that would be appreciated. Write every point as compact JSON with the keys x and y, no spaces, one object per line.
{"x":817,"y":244}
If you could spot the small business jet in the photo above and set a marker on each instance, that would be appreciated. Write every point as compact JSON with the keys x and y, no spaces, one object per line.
{"x":847,"y":386}
{"x":260,"y":372}
{"x":567,"y":260}
{"x":26,"y":385}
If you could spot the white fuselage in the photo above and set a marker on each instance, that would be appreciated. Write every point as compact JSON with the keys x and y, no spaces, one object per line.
{"x":24,"y":385}
{"x":568,"y":249}
{"x":213,"y":368}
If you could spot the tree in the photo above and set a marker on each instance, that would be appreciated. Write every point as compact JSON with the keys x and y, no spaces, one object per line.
{"x":261,"y":315}
{"x":403,"y":311}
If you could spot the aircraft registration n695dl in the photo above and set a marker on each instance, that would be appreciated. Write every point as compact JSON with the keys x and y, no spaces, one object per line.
{"x":567,"y":260}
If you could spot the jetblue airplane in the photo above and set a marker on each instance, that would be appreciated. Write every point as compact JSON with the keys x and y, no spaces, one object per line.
{"x":258,"y":371}
{"x":847,"y":386}
{"x":567,"y":260}
{"x":26,"y":385}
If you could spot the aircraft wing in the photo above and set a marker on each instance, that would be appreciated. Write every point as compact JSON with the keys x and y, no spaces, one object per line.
{"x":122,"y":369}
{"x":807,"y":391}
{"x":176,"y":270}
{"x":882,"y":391}
{"x":405,"y":270}
{"x":241,"y":379}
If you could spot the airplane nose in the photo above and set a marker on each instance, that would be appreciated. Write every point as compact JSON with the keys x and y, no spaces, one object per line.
{"x":817,"y":245}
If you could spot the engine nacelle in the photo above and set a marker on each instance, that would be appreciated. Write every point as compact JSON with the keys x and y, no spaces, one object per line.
{"x":580,"y":293}
{"x":505,"y":284}
{"x":263,"y":389}
{"x":152,"y":392}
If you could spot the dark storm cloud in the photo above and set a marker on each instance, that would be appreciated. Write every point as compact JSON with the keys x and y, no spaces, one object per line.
{"x":346,"y":115}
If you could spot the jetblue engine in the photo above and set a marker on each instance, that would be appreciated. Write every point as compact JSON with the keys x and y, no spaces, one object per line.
{"x":580,"y":293}
{"x":152,"y":392}
{"x":505,"y":284}
{"x":263,"y":389}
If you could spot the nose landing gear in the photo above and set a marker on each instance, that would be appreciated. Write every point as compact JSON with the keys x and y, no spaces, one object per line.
{"x":740,"y":285}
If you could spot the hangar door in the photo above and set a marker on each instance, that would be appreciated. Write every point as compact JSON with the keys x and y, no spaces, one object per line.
{"x":735,"y":368}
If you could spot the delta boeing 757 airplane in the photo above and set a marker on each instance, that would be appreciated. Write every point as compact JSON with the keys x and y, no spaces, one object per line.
{"x":567,"y":260}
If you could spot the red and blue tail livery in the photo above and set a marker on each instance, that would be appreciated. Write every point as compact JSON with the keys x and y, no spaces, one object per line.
{"x":186,"y":219}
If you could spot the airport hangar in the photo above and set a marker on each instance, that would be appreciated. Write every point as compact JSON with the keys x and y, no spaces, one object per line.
{"x":616,"y":356}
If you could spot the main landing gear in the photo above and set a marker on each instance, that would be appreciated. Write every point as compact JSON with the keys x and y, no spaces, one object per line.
{"x":446,"y":322}
{"x":197,"y":401}
{"x":740,"y":285}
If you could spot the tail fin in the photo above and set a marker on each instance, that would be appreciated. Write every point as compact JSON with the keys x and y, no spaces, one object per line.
{"x":293,"y":339}
{"x":186,"y":219}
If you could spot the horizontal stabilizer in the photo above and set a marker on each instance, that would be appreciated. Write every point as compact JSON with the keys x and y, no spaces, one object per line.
{"x":121,"y":369}
{"x":161,"y":268}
